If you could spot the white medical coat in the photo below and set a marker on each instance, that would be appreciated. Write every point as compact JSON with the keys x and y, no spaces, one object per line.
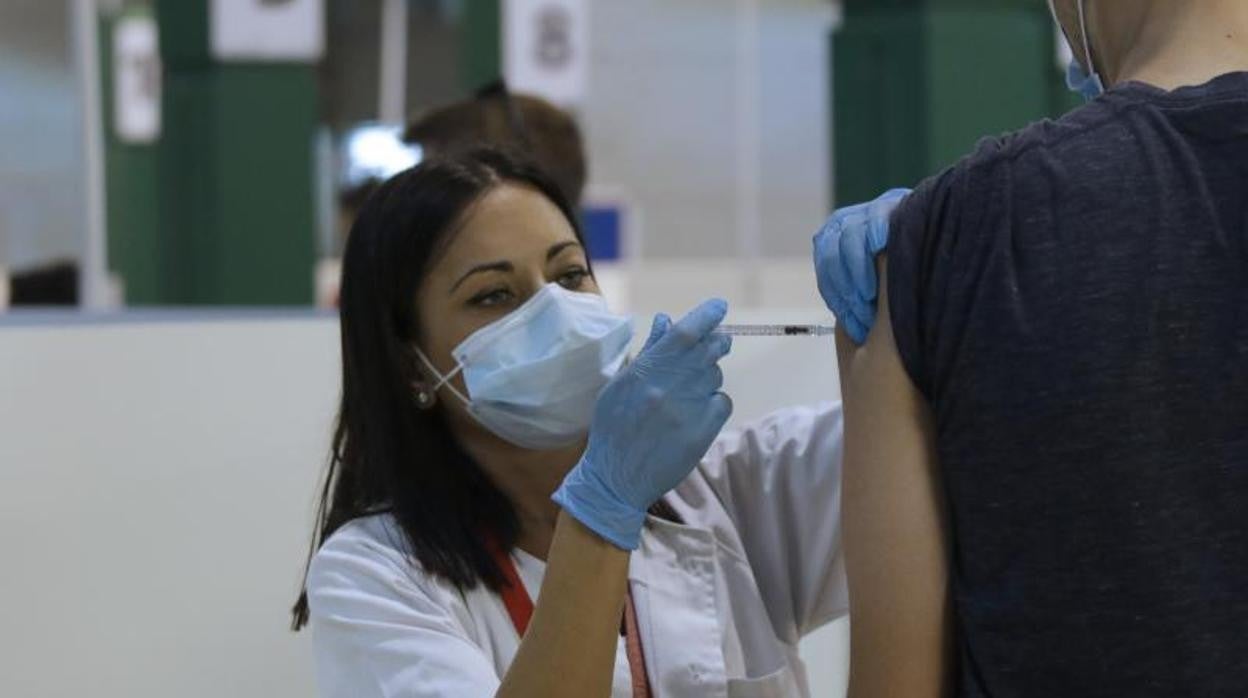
{"x":722,"y":599}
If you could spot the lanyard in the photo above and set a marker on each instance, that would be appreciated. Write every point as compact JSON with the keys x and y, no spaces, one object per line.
{"x":520,"y":608}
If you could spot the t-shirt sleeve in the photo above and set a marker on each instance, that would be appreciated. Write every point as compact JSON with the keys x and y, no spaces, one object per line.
{"x":923,"y":233}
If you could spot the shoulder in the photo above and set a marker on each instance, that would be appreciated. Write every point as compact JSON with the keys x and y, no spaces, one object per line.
{"x":1048,"y":145}
{"x":382,"y":626}
{"x":369,"y":557}
{"x":374,"y":539}
{"x":941,"y":235}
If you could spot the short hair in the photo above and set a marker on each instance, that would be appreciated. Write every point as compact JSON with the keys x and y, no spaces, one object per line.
{"x":544,"y":133}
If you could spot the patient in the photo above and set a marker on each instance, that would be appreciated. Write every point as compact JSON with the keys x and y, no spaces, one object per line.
{"x":1046,"y":471}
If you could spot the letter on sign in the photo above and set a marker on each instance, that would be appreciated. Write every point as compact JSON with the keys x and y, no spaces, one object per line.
{"x":546,"y":48}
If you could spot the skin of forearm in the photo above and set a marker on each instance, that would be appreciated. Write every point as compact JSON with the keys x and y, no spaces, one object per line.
{"x":570,"y":647}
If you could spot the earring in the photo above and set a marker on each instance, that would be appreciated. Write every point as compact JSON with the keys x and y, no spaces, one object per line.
{"x":425,"y":398}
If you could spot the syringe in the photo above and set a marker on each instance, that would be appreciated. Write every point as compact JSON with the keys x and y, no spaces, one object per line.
{"x":776,"y":330}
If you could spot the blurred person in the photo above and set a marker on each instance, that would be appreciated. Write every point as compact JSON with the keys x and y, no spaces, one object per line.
{"x":493,"y":443}
{"x":546,"y":134}
{"x":1046,"y":448}
{"x":55,"y":283}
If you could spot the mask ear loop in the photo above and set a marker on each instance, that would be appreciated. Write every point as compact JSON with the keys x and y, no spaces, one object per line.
{"x":1087,"y":45}
{"x":443,"y":380}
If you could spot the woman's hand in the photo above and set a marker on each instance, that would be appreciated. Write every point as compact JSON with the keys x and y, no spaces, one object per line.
{"x":652,"y":424}
{"x":845,"y":252}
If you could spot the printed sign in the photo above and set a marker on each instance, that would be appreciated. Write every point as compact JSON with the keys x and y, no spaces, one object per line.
{"x":546,"y":48}
{"x":268,"y":30}
{"x":136,"y":83}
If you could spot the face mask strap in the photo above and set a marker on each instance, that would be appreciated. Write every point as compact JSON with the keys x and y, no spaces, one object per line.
{"x":1087,"y":45}
{"x":443,"y":380}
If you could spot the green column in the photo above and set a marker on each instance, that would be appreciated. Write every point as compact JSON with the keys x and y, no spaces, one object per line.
{"x":131,"y":174}
{"x":917,"y":82}
{"x":481,"y":53}
{"x":236,"y":165}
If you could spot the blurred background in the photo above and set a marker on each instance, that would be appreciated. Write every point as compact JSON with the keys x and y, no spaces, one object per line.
{"x":177,"y":178}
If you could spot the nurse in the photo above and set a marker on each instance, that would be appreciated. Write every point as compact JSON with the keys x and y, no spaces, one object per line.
{"x":513,"y":509}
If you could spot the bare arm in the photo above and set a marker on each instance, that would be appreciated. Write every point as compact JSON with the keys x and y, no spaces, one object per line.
{"x":893,"y":522}
{"x":569,"y":649}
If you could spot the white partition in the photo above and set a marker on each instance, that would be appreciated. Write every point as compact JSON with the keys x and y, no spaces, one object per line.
{"x":157,"y":476}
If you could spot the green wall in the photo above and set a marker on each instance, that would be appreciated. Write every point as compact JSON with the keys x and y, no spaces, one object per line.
{"x":237,"y":173}
{"x":131,"y":175}
{"x":221,"y":209}
{"x":917,"y":82}
{"x":481,"y":52}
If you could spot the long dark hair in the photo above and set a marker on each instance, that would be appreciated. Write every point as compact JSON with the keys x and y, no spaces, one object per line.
{"x":387,"y":454}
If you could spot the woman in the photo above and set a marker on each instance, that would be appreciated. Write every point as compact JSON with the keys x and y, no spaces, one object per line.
{"x":476,"y":347}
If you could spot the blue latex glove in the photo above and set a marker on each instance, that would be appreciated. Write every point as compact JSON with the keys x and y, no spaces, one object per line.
{"x":652,"y":424}
{"x":845,"y":251}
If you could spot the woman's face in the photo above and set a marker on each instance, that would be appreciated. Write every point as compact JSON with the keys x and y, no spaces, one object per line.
{"x":507,"y":246}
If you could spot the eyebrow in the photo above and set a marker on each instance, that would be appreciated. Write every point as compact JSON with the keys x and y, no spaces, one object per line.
{"x":505,"y":266}
{"x":556,"y":249}
{"x":481,"y":269}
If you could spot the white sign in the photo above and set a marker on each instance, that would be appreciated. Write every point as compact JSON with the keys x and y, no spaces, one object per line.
{"x":267,"y":30}
{"x":546,"y":48}
{"x":136,"y":83}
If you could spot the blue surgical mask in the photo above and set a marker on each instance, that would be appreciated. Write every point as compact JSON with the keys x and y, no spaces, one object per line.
{"x":533,"y":376}
{"x":1080,"y":82}
{"x":1083,"y":81}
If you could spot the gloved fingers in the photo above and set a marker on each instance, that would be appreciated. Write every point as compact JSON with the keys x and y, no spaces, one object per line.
{"x":845,"y":270}
{"x":717,"y":413}
{"x":858,"y":283}
{"x":827,"y":232}
{"x":849,"y":302}
{"x":856,"y":328}
{"x":708,"y":382}
{"x":857,"y":262}
{"x":833,"y":278}
{"x":823,"y":271}
{"x":877,"y":233}
{"x":881,"y":212}
{"x":716,"y":347}
{"x":695,"y":326}
{"x":852,"y":324}
{"x":662,"y":323}
{"x":841,"y":310}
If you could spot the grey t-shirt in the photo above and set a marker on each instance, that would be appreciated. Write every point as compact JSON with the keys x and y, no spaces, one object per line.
{"x":1072,"y":300}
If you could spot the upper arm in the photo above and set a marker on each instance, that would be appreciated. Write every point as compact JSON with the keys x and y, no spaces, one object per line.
{"x":893,"y":523}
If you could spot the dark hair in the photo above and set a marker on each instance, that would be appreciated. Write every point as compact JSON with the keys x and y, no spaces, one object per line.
{"x":387,"y":454}
{"x":543,"y":132}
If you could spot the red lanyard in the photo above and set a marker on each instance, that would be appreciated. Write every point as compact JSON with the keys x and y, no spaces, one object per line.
{"x":520,"y":608}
